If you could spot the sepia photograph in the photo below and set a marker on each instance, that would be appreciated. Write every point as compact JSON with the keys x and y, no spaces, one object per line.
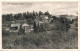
{"x":40,"y":25}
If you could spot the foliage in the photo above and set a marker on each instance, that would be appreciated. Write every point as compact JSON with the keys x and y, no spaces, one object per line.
{"x":21,"y":30}
{"x":40,"y":27}
{"x":5,"y":33}
{"x":61,"y":23}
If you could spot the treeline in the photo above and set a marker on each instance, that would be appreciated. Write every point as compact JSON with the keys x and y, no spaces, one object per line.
{"x":60,"y":23}
{"x":30,"y":16}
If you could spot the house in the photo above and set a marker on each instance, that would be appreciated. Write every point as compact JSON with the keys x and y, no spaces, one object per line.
{"x":44,"y":18}
{"x":50,"y":19}
{"x":15,"y":27}
{"x":27,"y":28}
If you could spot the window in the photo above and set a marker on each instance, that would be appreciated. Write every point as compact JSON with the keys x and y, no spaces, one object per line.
{"x":14,"y":28}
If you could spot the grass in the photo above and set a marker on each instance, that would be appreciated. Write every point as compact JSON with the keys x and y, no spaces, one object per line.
{"x":42,"y":40}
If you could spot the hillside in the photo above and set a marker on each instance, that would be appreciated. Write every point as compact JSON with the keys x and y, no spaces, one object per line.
{"x":46,"y":31}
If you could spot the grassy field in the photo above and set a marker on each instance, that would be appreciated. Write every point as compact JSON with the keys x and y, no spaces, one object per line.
{"x":42,"y":40}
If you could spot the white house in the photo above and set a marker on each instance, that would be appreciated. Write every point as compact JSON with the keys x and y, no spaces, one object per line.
{"x":44,"y":18}
{"x":27,"y":28}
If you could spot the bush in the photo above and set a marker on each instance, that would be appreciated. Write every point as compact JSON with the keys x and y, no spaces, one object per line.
{"x":5,"y":33}
{"x":41,"y":39}
{"x":39,"y":28}
{"x":56,"y":36}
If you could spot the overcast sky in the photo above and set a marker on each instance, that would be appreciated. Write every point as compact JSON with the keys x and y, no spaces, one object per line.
{"x":56,"y":8}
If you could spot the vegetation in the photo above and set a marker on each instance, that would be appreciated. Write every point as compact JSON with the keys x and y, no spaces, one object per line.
{"x":59,"y":33}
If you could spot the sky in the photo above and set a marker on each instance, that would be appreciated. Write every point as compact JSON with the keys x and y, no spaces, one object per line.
{"x":56,"y":8}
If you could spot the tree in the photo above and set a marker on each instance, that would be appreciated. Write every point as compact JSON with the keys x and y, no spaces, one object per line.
{"x":30,"y":21}
{"x":35,"y":27}
{"x":47,"y":13}
{"x":40,"y":13}
{"x":40,"y":28}
{"x":34,"y":13}
{"x":17,"y":16}
{"x":64,"y":23}
{"x":8,"y":17}
{"x":21,"y":30}
{"x":22,"y":18}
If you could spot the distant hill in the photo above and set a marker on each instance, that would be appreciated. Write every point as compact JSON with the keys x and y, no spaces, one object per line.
{"x":70,"y":17}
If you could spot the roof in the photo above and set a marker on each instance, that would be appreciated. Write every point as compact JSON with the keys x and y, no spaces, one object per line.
{"x":40,"y":22}
{"x":25,"y":24}
{"x":14,"y":25}
{"x":31,"y":29}
{"x":44,"y":16}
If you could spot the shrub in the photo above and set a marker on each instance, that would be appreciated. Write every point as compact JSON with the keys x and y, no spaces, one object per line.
{"x":5,"y":33}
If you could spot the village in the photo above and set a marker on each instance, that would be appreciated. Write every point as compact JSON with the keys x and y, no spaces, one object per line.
{"x":14,"y":26}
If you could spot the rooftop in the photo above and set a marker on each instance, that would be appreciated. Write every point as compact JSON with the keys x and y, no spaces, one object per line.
{"x":25,"y":24}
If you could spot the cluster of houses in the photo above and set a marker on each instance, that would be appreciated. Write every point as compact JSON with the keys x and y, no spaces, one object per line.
{"x":14,"y":26}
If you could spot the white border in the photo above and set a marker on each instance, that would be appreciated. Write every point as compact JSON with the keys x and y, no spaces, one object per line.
{"x":39,"y":49}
